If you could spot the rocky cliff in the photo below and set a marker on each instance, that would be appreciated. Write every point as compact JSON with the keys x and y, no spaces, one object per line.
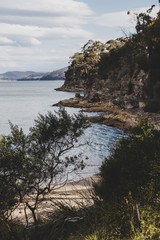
{"x":120,"y":78}
{"x":125,"y":71}
{"x":120,"y":87}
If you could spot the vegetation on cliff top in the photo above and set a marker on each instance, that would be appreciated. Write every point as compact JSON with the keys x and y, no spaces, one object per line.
{"x":139,"y":51}
{"x":84,"y":65}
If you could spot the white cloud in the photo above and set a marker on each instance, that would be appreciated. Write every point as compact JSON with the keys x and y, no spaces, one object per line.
{"x":51,"y":6}
{"x":25,"y":23}
{"x":6,"y":41}
{"x":32,"y":35}
{"x":31,"y":29}
{"x":43,"y":21}
{"x":49,"y":56}
{"x":36,"y":34}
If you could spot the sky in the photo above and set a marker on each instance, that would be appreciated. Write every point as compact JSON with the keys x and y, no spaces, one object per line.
{"x":41,"y":35}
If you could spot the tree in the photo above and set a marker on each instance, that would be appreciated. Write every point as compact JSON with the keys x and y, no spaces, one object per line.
{"x":74,"y":74}
{"x":113,"y":58}
{"x":133,"y":165}
{"x":116,"y":44}
{"x":84,"y":65}
{"x":31,"y":165}
{"x":144,"y":20}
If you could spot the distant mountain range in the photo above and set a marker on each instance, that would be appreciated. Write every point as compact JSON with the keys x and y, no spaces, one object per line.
{"x":34,"y":76}
{"x":16,"y":75}
{"x":55,"y":75}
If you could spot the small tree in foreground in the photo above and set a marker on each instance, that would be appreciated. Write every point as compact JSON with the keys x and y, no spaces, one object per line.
{"x":32,"y":165}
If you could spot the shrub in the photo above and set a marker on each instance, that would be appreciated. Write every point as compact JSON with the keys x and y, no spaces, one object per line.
{"x":133,"y":164}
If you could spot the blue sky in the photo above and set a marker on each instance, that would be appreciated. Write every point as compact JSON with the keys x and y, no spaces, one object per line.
{"x":104,"y":6}
{"x":41,"y":35}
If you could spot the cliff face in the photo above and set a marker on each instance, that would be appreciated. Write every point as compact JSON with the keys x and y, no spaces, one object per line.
{"x":121,"y":87}
{"x":83,"y":66}
{"x":72,"y":86}
{"x":125,"y":71}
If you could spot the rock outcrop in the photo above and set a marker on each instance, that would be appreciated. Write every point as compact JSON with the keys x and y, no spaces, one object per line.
{"x":122,"y":88}
{"x":126,"y":74}
{"x":72,"y":86}
{"x":114,"y":116}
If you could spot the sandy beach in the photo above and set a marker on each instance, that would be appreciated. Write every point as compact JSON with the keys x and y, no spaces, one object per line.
{"x":73,"y":194}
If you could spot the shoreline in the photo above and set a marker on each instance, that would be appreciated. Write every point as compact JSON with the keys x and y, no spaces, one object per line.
{"x":123,"y":119}
{"x":72,"y":194}
{"x":64,"y":89}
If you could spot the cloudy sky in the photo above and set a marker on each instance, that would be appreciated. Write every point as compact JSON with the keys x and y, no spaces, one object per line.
{"x":41,"y":35}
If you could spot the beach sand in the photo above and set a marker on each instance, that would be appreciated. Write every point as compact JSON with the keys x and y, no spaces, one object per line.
{"x":74,"y":194}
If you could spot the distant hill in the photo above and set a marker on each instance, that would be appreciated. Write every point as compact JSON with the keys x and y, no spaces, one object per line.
{"x":55,"y":75}
{"x":15,"y":75}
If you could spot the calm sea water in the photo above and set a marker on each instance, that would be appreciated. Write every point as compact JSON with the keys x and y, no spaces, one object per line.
{"x":20,"y":103}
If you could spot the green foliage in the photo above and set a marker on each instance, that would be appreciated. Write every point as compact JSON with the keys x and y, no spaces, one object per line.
{"x":113,"y":58}
{"x":130,"y":192}
{"x":150,"y":224}
{"x":33,"y":163}
{"x":84,"y":65}
{"x":145,"y":50}
{"x":130,"y":185}
{"x":115,"y":44}
{"x":129,"y":207}
{"x":144,"y":20}
{"x":126,"y":164}
{"x":129,"y":55}
{"x":56,"y":227}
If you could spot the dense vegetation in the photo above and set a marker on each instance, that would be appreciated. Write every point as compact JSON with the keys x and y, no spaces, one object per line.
{"x":139,"y":51}
{"x":31,"y":165}
{"x":84,"y":65}
{"x":125,"y":203}
{"x":126,"y":200}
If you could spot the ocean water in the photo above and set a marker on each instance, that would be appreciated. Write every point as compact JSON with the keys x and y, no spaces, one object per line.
{"x":21,"y":102}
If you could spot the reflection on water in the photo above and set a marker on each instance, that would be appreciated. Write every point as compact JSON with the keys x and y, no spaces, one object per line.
{"x":20,"y":102}
{"x":99,"y":141}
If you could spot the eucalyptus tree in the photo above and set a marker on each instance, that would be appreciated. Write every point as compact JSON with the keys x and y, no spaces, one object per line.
{"x":84,"y":65}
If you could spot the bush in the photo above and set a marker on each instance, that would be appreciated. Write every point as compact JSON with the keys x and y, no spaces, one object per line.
{"x":133,"y":164}
{"x":35,"y":162}
{"x":130,"y":186}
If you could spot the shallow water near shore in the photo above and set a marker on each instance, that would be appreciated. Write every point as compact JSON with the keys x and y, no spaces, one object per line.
{"x":21,"y":102}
